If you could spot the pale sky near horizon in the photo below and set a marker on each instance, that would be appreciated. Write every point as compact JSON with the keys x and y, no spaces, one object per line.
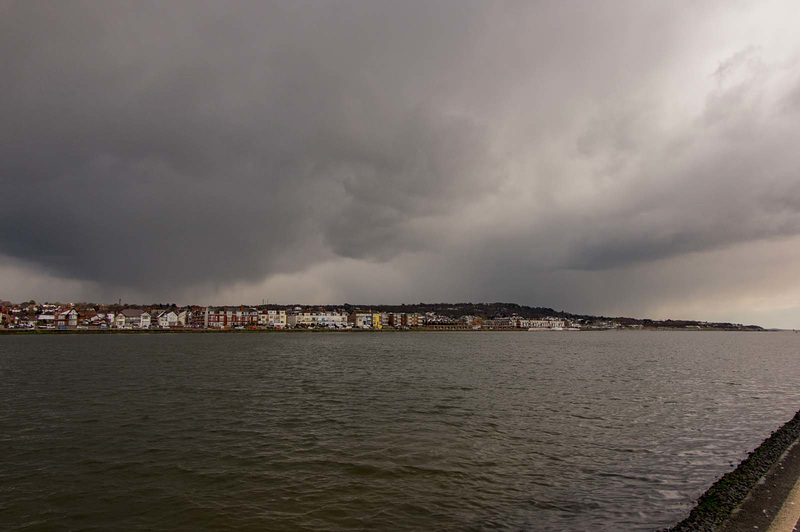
{"x":612,"y":157}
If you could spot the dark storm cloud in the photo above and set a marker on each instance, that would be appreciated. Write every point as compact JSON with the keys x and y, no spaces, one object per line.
{"x":166,"y":145}
{"x":148,"y":143}
{"x":179,"y":142}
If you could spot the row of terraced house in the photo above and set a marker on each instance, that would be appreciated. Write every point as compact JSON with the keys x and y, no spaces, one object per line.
{"x":246,"y":317}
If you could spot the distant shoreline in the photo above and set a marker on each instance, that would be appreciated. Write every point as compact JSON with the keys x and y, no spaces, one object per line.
{"x":354,"y":330}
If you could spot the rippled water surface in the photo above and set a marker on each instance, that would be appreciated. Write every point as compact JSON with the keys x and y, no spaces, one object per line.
{"x":394,"y":431}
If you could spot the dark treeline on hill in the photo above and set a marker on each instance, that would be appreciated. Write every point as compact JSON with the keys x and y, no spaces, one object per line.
{"x":456,"y":310}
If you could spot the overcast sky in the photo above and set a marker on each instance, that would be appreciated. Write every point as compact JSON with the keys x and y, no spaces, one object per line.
{"x":626,"y":158}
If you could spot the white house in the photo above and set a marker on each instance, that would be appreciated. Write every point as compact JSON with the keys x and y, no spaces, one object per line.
{"x":331,"y":320}
{"x":167,"y":319}
{"x":546,"y":324}
{"x":132,"y":318}
{"x":323,"y":319}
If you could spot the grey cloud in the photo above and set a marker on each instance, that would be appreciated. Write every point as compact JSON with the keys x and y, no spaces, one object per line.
{"x":166,"y":146}
{"x":185,"y":142}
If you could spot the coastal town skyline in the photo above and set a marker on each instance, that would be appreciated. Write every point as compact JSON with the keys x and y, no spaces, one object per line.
{"x":44,"y":316}
{"x":614,"y":158}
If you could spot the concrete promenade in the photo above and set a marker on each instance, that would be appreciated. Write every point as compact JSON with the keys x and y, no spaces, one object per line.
{"x":761,"y":494}
{"x":774,"y":504}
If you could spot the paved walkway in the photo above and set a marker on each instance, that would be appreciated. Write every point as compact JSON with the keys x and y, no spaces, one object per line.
{"x":774,"y":505}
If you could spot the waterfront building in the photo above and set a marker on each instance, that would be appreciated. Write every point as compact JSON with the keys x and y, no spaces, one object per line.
{"x":432,"y":318}
{"x":67,"y":318}
{"x":470,"y":320}
{"x":383,"y":319}
{"x":361,"y":320}
{"x":166,"y":319}
{"x":245,"y":317}
{"x":500,"y":323}
{"x":320,"y":319}
{"x":299,"y":319}
{"x":412,"y":320}
{"x":272,"y":318}
{"x":547,"y":323}
{"x":130,"y":318}
{"x":221,"y":318}
{"x":45,"y":320}
{"x":332,"y":320}
{"x":197,"y":317}
{"x":217,"y":318}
